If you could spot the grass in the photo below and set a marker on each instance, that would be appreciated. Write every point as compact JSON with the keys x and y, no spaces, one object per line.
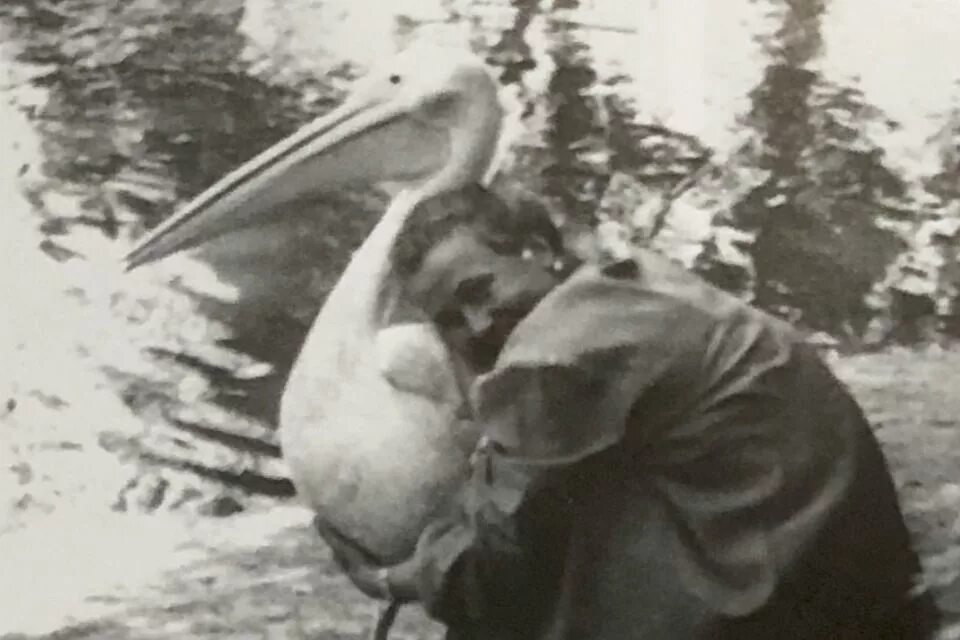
{"x":912,"y":398}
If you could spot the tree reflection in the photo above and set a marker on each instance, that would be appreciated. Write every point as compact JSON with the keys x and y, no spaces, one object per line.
{"x":818,"y":251}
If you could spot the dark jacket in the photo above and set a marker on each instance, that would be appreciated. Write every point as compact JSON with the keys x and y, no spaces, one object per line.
{"x":662,"y":460}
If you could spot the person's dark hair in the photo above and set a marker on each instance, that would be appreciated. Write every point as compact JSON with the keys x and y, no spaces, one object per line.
{"x":506,"y":230}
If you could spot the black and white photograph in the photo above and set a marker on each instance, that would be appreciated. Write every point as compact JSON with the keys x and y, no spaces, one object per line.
{"x":480,"y":319}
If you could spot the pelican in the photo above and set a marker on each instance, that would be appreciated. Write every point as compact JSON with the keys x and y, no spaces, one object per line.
{"x":369,"y":420}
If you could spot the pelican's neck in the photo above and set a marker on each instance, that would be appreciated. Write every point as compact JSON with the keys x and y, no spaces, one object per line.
{"x":367,"y":290}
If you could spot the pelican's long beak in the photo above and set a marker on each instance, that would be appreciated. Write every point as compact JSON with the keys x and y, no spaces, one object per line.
{"x":367,"y":140}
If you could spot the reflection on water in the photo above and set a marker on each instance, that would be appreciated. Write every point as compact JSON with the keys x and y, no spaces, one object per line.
{"x":139,"y":105}
{"x":145,"y":97}
{"x":142,"y":103}
{"x":147,"y":102}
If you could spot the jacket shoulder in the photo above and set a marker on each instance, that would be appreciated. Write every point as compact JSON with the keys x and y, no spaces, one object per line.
{"x":602,"y":309}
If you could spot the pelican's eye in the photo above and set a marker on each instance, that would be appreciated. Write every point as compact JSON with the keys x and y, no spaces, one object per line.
{"x":395,"y":78}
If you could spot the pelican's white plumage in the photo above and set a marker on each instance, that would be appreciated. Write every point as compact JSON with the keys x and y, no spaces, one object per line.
{"x":369,"y":422}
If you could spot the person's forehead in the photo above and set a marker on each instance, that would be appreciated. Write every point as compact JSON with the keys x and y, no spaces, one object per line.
{"x":459,"y":256}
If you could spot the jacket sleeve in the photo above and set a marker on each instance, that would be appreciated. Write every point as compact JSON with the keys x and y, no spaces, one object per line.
{"x":479,"y":561}
{"x":472,"y":567}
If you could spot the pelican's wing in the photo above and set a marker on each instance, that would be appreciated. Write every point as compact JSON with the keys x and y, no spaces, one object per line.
{"x":413,"y":359}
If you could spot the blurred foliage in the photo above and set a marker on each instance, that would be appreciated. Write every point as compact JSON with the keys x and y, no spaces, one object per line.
{"x":140,"y":104}
{"x":817,"y":248}
{"x":806,"y":218}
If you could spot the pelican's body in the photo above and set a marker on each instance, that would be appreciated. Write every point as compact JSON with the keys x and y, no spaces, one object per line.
{"x":371,"y":453}
{"x":368,"y":421}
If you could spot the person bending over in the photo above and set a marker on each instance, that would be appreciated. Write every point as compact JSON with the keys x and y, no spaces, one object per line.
{"x":659,"y":459}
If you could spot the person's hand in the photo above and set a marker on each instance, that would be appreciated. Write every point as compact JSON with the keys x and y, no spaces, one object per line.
{"x":362,"y":569}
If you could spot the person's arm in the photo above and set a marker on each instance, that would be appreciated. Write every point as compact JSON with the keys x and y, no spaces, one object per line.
{"x":479,"y":557}
{"x":485,"y":558}
{"x":468,"y":562}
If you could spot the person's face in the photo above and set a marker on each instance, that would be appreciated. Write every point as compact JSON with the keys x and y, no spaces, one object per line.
{"x":476,"y":296}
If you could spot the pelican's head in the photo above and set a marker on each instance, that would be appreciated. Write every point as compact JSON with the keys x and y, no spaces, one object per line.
{"x":429,"y":118}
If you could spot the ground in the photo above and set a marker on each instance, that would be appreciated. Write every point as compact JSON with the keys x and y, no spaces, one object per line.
{"x":264,"y":575}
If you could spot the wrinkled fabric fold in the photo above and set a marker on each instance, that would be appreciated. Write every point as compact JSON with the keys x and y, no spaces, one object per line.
{"x":664,"y":461}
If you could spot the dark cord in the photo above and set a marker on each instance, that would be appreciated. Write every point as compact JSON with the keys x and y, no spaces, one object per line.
{"x":386,"y":616}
